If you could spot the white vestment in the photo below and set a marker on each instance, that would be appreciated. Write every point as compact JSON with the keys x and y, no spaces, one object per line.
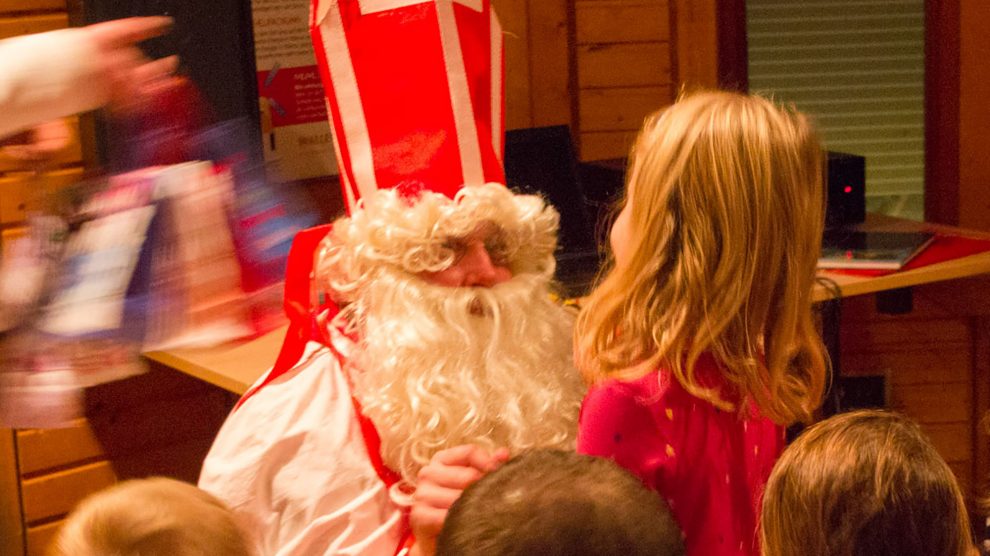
{"x":292,"y":463}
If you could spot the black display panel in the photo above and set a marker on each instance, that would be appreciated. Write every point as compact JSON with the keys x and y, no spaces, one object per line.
{"x":215,"y":45}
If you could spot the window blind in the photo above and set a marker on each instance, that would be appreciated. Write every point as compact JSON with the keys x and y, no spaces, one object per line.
{"x":858,"y":68}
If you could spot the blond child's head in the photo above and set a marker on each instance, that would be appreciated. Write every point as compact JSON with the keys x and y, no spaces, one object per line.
{"x":715,"y":250}
{"x":150,"y":517}
{"x":865,"y":483}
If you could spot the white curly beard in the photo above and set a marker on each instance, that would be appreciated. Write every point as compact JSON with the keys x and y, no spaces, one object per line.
{"x":438,"y":367}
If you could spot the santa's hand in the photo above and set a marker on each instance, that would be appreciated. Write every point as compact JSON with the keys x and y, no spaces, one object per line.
{"x":440,"y":484}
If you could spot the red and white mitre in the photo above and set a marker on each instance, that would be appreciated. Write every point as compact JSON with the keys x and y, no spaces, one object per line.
{"x":414,"y":92}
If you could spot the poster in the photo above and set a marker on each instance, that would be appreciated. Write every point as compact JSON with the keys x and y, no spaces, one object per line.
{"x":294,"y":128}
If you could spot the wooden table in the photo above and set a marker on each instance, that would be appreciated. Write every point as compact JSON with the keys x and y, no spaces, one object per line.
{"x":964,"y":267}
{"x":232,"y":367}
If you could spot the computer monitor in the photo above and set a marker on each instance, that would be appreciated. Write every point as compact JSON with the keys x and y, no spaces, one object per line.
{"x":542,"y":160}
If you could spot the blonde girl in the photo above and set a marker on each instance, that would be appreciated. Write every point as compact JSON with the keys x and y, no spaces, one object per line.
{"x":866,"y":483}
{"x":700,"y":344}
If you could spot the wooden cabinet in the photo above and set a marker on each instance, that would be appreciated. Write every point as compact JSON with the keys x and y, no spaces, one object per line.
{"x":159,"y":423}
{"x":46,"y":473}
{"x":936,"y":361}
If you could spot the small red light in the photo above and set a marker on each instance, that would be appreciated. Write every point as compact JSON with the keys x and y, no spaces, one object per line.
{"x":848,"y":189}
{"x":849,"y":254}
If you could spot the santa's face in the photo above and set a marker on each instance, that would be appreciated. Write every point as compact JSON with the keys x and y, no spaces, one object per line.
{"x":479,"y":260}
{"x":459,"y":340}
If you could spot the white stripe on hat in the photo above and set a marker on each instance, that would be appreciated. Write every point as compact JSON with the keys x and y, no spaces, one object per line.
{"x":373,"y":6}
{"x":460,"y":94}
{"x":497,"y":117}
{"x":355,"y":128}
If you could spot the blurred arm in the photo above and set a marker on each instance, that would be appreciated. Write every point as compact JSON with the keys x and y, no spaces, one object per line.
{"x":47,"y":76}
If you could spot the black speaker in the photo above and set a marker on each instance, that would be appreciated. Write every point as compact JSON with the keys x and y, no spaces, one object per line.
{"x":542,"y":160}
{"x":845,"y":190}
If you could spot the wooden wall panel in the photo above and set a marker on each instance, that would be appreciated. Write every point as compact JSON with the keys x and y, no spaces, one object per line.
{"x":952,"y":440}
{"x":946,"y":402}
{"x":974,"y":117}
{"x":514,"y":17}
{"x":697,"y":43}
{"x":612,"y":21}
{"x":620,"y":108}
{"x":549,"y":64}
{"x":957,"y":122}
{"x":623,"y":65}
{"x":537,"y":68}
{"x":964,"y":476}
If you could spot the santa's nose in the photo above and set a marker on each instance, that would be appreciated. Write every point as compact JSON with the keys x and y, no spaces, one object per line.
{"x":479,"y":270}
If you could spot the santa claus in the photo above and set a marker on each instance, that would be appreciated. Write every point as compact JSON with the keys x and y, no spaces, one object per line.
{"x":436,"y":335}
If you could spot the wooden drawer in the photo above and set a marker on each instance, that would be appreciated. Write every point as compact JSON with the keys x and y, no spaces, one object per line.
{"x":40,"y":449}
{"x":14,"y":193}
{"x":23,"y":25}
{"x":15,"y":6}
{"x":56,"y":494}
{"x":69,"y":156}
{"x":902,"y":334}
{"x":948,"y":363}
{"x":40,"y":536}
{"x":23,"y":192}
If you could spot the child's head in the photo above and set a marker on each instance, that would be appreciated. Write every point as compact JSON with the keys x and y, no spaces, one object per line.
{"x":150,"y":517}
{"x":555,"y":502}
{"x":865,"y":483}
{"x":715,"y":250}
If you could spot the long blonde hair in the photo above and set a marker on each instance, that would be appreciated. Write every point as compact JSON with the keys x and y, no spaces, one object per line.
{"x":865,"y":483}
{"x":726,"y":218}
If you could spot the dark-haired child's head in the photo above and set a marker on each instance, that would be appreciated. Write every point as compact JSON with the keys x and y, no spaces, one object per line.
{"x":553,"y":502}
{"x":864,"y":483}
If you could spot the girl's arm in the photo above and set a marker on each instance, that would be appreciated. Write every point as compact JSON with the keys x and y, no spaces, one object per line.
{"x":615,"y":424}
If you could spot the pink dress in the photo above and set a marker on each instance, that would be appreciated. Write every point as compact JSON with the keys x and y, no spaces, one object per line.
{"x":710,"y":465}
